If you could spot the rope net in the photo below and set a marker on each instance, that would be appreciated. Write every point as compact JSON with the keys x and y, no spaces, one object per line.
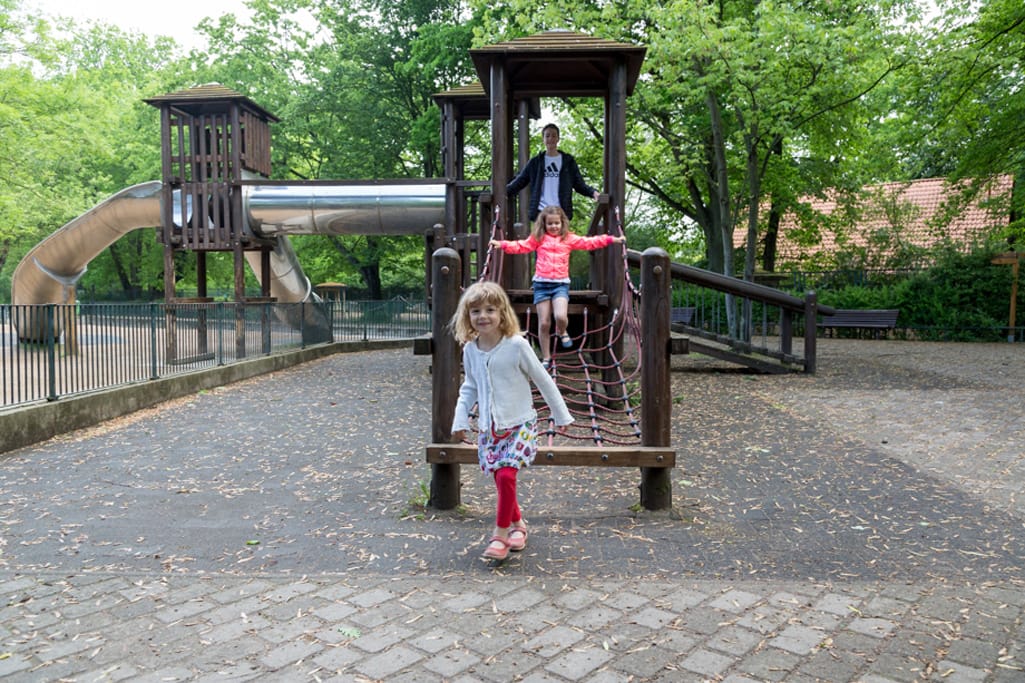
{"x":599,"y":375}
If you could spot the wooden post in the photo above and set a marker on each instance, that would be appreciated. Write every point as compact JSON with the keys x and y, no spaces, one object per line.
{"x":522,"y":153}
{"x":240,"y":298}
{"x":445,"y":358}
{"x":485,"y":218}
{"x":452,"y":166}
{"x":1014,"y":259}
{"x":202,"y":348}
{"x":786,"y":331}
{"x":1014,"y":299}
{"x":501,"y":156}
{"x":811,"y":324}
{"x":171,"y":334}
{"x":656,"y":484}
{"x":434,"y":239}
{"x":615,"y":177}
{"x":520,"y":274}
{"x":70,"y":322}
{"x":607,"y":264}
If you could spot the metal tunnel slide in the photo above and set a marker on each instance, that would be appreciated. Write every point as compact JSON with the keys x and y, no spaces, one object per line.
{"x":274,"y":212}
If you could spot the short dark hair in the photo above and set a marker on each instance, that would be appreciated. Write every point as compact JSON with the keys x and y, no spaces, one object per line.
{"x":551,"y":125}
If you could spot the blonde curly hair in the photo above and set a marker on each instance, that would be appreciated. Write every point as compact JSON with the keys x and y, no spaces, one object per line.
{"x":478,"y":294}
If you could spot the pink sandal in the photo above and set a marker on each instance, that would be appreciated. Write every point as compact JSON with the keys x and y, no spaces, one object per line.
{"x":519,"y":541}
{"x":499,"y":553}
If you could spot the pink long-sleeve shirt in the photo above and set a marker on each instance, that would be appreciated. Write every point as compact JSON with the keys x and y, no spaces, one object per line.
{"x":552,"y":261}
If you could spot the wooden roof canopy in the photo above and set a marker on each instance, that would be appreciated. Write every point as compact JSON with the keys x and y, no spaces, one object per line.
{"x":209,"y":99}
{"x":473,"y":103}
{"x":563,"y":63}
{"x":470,"y":100}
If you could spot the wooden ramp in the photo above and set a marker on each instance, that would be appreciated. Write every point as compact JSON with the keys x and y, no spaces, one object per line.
{"x":749,"y":358}
{"x":766,"y":361}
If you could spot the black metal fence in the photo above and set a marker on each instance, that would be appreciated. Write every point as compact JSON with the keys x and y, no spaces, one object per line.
{"x":54,"y":350}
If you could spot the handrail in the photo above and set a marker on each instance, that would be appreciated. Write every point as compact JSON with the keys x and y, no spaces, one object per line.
{"x":732,"y":285}
{"x":789,"y":307}
{"x":600,"y":210}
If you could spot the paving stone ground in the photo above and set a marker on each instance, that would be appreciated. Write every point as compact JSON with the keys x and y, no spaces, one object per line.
{"x":862,"y":524}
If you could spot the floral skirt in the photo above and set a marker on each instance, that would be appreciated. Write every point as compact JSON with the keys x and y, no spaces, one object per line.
{"x":514,"y":447}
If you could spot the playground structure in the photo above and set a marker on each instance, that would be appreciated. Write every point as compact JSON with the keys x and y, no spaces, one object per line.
{"x":602,"y":377}
{"x":595,"y":377}
{"x":215,"y":196}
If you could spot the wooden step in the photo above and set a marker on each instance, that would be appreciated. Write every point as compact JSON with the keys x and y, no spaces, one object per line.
{"x":581,"y":456}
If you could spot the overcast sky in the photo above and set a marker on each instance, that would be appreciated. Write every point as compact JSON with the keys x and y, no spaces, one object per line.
{"x":145,"y":17}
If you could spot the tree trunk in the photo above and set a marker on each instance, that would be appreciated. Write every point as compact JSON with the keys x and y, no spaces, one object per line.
{"x":371,"y":275}
{"x":771,"y":236}
{"x":369,"y":271}
{"x":754,"y":189}
{"x":772,"y":230}
{"x":119,"y":268}
{"x":722,"y":209}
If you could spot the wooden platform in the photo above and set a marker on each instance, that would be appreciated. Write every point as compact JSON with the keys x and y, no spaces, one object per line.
{"x":581,"y":296}
{"x":579,"y":300}
{"x":580,"y":456}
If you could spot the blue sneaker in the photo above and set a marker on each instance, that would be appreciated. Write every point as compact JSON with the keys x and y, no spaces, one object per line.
{"x":566,"y":341}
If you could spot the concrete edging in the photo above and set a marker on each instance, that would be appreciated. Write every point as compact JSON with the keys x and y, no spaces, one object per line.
{"x":32,"y":423}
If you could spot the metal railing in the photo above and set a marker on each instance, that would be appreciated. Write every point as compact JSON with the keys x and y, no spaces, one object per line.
{"x":54,"y":350}
{"x":371,"y":320}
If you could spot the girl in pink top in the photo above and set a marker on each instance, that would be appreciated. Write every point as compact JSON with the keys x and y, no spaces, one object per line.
{"x":552,"y":240}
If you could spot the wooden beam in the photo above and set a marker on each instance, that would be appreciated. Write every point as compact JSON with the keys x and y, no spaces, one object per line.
{"x":580,"y":456}
{"x":585,"y":296}
{"x":1008,"y":257}
{"x":571,"y":309}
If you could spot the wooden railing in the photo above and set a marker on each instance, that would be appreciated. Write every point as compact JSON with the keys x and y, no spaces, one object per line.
{"x":782,"y":315}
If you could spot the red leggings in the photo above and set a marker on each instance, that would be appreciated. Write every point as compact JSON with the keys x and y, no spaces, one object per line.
{"x":508,"y":510}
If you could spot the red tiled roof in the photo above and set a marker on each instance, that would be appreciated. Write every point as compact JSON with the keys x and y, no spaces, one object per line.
{"x":918,"y":207}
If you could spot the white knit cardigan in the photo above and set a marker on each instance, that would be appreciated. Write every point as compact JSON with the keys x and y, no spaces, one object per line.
{"x":506,"y":372}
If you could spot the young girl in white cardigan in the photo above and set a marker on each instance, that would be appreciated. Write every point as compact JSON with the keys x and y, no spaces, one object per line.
{"x":499,"y":366}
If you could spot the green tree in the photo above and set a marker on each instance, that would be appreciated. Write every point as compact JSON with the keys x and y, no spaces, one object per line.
{"x":26,"y":140}
{"x":967,"y":99}
{"x":353,"y":92}
{"x":738,"y":98}
{"x":73,"y":128}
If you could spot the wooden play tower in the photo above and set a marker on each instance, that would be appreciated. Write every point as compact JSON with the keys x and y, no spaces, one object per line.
{"x":212,"y":139}
{"x":514,"y":75}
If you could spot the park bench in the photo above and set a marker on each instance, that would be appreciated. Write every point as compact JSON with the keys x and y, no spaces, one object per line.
{"x":876,"y":320}
{"x":681,"y":315}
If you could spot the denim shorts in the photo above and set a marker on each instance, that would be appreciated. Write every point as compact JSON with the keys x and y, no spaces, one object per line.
{"x":543,"y":291}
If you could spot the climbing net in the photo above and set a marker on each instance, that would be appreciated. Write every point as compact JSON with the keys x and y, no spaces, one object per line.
{"x":599,"y":375}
